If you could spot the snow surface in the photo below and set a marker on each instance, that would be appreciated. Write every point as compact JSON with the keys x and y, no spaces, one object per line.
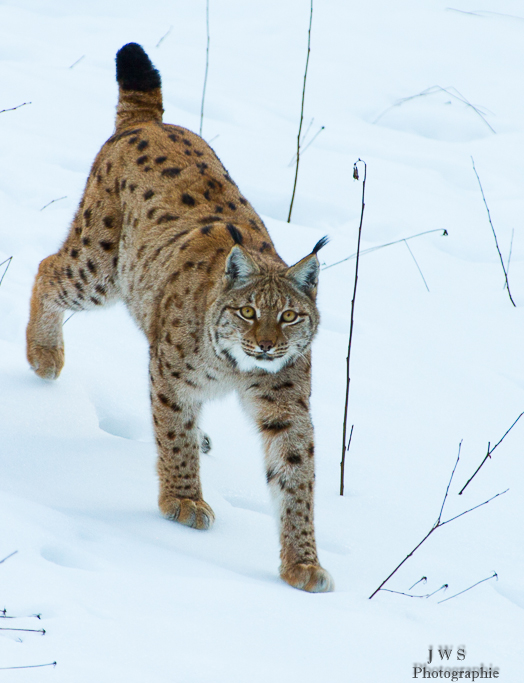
{"x":127,"y":595}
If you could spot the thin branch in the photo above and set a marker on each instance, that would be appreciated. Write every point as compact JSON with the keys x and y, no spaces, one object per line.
{"x":164,"y":36}
{"x":52,"y":202}
{"x":28,"y":630}
{"x":68,"y":318}
{"x":388,"y":244}
{"x":303,"y":149}
{"x":493,"y":576}
{"x":343,"y":462}
{"x":509,"y":255}
{"x":416,"y":263}
{"x":31,"y":666}
{"x":4,"y":615}
{"x":461,"y":11}
{"x":77,"y":61}
{"x":437,"y":524}
{"x":314,"y":138}
{"x":482,"y":12}
{"x":301,"y":112}
{"x":494,"y":233}
{"x":449,"y":484}
{"x":474,"y":508}
{"x":424,"y":579}
{"x":8,"y":261}
{"x":488,"y":454}
{"x":14,"y":553}
{"x":207,"y":68}
{"x":403,"y":561}
{"x":444,"y":587}
{"x":431,"y":91}
{"x":348,"y":357}
{"x":305,"y":134}
{"x":17,"y":107}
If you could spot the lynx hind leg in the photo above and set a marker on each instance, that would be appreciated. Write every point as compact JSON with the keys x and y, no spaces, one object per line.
{"x":82,"y":275}
{"x":45,"y":343}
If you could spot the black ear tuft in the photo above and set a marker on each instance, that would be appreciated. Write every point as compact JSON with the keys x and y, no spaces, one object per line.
{"x":321,"y":243}
{"x":235,"y":233}
{"x":134,"y":70}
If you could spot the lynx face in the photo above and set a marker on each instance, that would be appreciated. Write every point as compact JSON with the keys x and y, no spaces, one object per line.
{"x":266,"y":324}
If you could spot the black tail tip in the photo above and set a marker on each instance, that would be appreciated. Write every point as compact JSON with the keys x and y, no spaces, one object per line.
{"x":134,"y":70}
{"x":321,"y":243}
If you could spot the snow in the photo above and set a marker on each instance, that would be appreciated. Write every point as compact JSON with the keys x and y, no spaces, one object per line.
{"x":126,"y":595}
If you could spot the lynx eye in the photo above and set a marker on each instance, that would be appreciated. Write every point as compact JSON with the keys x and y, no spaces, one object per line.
{"x":289,"y":316}
{"x":247,"y":312}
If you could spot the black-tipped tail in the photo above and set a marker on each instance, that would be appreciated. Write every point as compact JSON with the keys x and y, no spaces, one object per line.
{"x":321,"y":243}
{"x":134,"y":70}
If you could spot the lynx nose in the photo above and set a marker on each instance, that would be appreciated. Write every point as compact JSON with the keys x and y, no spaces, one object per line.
{"x":266,"y":345}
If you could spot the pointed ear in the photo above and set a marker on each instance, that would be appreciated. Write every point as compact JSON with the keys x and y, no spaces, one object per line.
{"x":304,"y":274}
{"x":240,"y":267}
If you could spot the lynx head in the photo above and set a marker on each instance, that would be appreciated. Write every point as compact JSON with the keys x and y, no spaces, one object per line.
{"x":266,"y":317}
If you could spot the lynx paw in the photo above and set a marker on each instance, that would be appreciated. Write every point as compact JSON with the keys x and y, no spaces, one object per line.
{"x":194,"y":513}
{"x":46,"y":362}
{"x":308,"y":577}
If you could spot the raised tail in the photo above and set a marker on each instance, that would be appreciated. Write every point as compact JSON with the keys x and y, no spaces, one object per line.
{"x":140,"y":88}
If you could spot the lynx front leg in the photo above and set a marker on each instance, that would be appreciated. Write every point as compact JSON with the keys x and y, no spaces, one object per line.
{"x":178,"y":443}
{"x":289,"y":453}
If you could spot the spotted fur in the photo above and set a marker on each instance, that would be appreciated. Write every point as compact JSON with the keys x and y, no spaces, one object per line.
{"x":163,"y":227}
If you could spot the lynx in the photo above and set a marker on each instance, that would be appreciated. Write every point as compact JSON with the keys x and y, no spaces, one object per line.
{"x":163,"y":227}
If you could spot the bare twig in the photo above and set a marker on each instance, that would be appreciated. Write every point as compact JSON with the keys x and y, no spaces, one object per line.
{"x":509,"y":255}
{"x":410,"y":595}
{"x":28,"y":630}
{"x":343,"y":462}
{"x":11,"y":555}
{"x":164,"y":36}
{"x":416,"y":263}
{"x":424,"y":579}
{"x":382,"y":246}
{"x":450,"y":90}
{"x":68,"y":318}
{"x":8,"y":261}
{"x":493,"y":576}
{"x":481,"y":12}
{"x":303,"y":149}
{"x":461,"y":11}
{"x":17,"y":107}
{"x":301,"y":112}
{"x":31,"y":666}
{"x":52,"y":202}
{"x":348,"y":357}
{"x":207,"y":68}
{"x":438,"y":523}
{"x":488,"y":454}
{"x":494,"y":233}
{"x":302,"y":141}
{"x":77,"y":61}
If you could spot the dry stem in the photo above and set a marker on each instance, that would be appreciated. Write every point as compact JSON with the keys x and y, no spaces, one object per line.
{"x":301,"y":112}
